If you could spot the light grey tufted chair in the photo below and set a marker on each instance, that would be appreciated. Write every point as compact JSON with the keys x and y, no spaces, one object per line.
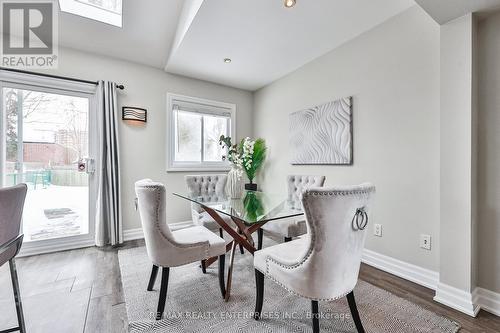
{"x":168,"y":248}
{"x":324,"y":265}
{"x":11,"y":212}
{"x":294,"y":226}
{"x":210,"y":188}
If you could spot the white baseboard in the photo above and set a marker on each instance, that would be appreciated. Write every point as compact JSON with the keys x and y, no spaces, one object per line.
{"x":132,"y":234}
{"x":468,"y":303}
{"x":29,"y":249}
{"x":410,"y":272}
{"x":136,"y":233}
{"x":457,"y":299}
{"x":488,"y":300}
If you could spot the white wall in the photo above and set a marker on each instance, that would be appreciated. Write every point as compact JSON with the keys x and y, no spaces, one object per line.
{"x":489,"y":153}
{"x":143,"y":149}
{"x":392,"y":72}
{"x":457,"y":198}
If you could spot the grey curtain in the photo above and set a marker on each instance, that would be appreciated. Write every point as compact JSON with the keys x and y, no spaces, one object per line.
{"x":109,"y":229}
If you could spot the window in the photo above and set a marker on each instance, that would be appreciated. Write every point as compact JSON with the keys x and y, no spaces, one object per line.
{"x":106,"y":11}
{"x":194,"y":128}
{"x":114,"y":6}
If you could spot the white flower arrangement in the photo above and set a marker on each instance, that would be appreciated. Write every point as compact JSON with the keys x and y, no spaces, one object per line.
{"x":248,"y":155}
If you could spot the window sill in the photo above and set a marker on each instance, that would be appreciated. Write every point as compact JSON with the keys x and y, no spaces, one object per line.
{"x":199,"y":169}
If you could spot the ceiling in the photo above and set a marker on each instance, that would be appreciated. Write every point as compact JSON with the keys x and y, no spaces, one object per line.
{"x":265,"y":40}
{"x":146,"y":37}
{"x":443,"y":11}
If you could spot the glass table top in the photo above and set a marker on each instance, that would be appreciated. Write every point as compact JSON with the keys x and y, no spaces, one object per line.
{"x":253,"y":206}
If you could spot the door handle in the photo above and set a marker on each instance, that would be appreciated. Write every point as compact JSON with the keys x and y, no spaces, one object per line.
{"x":86,"y":165}
{"x":90,"y":169}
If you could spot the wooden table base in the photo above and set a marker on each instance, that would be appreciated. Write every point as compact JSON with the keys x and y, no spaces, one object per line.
{"x":241,"y":236}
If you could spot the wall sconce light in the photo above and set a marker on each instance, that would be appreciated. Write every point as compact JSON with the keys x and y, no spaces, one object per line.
{"x":135,"y":114}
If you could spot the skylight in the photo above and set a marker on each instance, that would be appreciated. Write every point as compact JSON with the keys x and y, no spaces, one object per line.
{"x":106,"y":11}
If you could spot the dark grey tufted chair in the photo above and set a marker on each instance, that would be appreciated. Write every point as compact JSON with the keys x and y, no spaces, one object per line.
{"x":11,"y":212}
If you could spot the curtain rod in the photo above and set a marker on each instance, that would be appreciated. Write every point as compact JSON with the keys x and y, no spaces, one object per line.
{"x":119,"y":86}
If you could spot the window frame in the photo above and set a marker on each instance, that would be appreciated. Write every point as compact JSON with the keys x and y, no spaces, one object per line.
{"x":92,"y":12}
{"x":32,"y":81}
{"x":214,"y":107}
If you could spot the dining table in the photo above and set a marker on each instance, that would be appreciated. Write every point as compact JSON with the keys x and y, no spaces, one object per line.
{"x":249,"y":213}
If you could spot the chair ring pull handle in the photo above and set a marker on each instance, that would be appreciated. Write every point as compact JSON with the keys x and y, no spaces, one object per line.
{"x":360,"y":219}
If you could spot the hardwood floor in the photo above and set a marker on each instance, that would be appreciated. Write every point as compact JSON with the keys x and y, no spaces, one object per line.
{"x":484,"y":322}
{"x":80,"y":291}
{"x":70,"y":291}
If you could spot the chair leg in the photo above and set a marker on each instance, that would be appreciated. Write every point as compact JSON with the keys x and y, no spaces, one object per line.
{"x":222,"y":282}
{"x":204,"y":266}
{"x":288,"y":239}
{"x":259,"y":300}
{"x":17,"y":296}
{"x":152,"y":278}
{"x":260,"y":238}
{"x":354,"y":312}
{"x":163,"y":292}
{"x":221,"y":233}
{"x":315,"y":316}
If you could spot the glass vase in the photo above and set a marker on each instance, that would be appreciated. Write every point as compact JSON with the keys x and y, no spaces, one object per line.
{"x":234,"y":185}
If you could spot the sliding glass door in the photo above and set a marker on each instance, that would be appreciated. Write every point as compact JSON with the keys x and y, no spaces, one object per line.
{"x":46,"y":144}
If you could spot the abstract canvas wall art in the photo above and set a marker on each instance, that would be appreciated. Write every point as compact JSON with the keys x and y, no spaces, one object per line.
{"x":322,"y":134}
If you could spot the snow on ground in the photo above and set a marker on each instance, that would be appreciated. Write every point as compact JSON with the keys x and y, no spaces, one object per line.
{"x":55,"y":211}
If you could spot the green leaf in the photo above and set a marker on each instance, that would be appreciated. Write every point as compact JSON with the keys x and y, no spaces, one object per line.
{"x":253,"y":206}
{"x":258,"y":157}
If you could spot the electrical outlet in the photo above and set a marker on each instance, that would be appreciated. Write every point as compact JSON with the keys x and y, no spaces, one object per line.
{"x":377,"y":230}
{"x":425,"y":242}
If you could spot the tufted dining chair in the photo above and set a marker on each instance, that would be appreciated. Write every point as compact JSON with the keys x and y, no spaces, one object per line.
{"x":324,"y":265}
{"x":294,"y":226}
{"x":210,"y":188}
{"x":11,"y":212}
{"x":168,"y":248}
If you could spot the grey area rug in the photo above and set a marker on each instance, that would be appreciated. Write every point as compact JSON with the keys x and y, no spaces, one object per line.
{"x":194,"y":304}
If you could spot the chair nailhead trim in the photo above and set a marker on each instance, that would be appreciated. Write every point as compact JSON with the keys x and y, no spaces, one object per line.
{"x":307,"y":297}
{"x":312,"y":230}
